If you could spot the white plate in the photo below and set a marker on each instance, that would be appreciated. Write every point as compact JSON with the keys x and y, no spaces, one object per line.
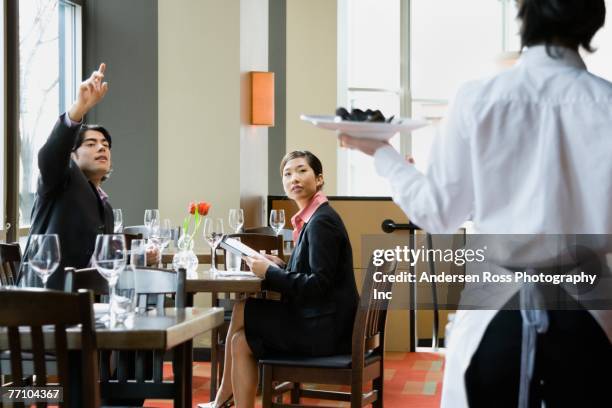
{"x":365,"y":130}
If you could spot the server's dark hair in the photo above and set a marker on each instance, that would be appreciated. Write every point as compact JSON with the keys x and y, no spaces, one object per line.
{"x":555,"y":22}
{"x":312,"y":160}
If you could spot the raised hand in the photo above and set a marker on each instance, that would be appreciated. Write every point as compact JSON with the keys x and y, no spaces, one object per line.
{"x":91,"y":92}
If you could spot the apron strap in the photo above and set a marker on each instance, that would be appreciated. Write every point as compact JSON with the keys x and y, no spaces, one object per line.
{"x":535,"y":320}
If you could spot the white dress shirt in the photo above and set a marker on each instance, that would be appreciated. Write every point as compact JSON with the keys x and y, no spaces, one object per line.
{"x":528,"y":151}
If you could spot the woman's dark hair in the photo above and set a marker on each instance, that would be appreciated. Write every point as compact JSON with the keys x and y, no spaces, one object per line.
{"x":81,"y":135}
{"x":312,"y":160}
{"x":560,"y":22}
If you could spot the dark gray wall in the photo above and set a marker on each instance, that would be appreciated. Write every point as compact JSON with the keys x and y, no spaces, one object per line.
{"x":123,"y":34}
{"x":277,"y":63}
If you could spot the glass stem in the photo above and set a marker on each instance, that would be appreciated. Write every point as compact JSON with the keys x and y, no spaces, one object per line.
{"x":214,"y":264}
{"x":111,"y":309}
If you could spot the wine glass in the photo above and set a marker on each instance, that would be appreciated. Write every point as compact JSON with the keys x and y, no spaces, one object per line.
{"x":151,"y":219}
{"x":165,"y":233}
{"x":213,"y":232}
{"x":236,"y":219}
{"x":44,"y":255}
{"x":109,"y":258}
{"x":277,"y":220}
{"x":118,"y":220}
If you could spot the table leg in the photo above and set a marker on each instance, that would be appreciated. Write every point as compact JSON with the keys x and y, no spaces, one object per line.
{"x":183,"y":374}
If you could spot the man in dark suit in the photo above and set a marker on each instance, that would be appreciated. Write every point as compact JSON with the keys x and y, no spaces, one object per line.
{"x":73,"y":163}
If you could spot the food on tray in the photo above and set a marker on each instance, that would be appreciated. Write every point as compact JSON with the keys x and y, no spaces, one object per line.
{"x":357,"y":115}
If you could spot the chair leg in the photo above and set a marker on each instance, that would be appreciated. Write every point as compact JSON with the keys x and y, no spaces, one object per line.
{"x":378,"y":385}
{"x":295,"y":393}
{"x":214,"y":358}
{"x":356,"y":395}
{"x":266,"y":399}
{"x":221,"y":357}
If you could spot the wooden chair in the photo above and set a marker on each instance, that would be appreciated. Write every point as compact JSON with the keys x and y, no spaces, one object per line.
{"x":27,"y":358}
{"x":364,"y":365}
{"x":10,"y":260}
{"x":141,"y":230}
{"x":143,"y":370}
{"x":129,"y":238}
{"x":260,"y":242}
{"x":37,"y":308}
{"x":286,"y":233}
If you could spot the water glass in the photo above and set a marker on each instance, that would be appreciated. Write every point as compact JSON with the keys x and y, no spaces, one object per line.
{"x":277,"y":220}
{"x":118,"y":220}
{"x":138,"y":253}
{"x":236,"y":219}
{"x":213,"y":232}
{"x":123,"y":301}
{"x":232,"y":260}
{"x":44,"y":255}
{"x":165,"y":234}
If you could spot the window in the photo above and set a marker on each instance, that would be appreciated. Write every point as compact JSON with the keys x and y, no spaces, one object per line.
{"x":599,"y":62}
{"x":50,"y":62}
{"x":409,"y":58}
{"x":372,"y":81}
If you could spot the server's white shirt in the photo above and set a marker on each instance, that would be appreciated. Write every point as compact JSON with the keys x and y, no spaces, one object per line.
{"x":528,"y":151}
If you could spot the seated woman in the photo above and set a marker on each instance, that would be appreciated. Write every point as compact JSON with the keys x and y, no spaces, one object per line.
{"x":319,"y":296}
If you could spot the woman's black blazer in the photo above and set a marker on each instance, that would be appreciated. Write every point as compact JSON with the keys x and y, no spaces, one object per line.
{"x":319,"y":279}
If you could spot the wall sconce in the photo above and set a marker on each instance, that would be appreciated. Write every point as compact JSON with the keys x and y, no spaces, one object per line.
{"x":262,"y":98}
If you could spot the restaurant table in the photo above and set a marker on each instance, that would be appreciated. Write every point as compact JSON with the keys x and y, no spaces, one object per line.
{"x":172,"y":330}
{"x":205,"y":281}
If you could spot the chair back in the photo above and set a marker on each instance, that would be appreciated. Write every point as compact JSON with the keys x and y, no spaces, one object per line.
{"x":152,"y":284}
{"x":33,"y":309}
{"x":260,"y":242}
{"x":10,"y":260}
{"x":156,"y":283}
{"x":141,"y":230}
{"x":285,"y":232}
{"x":87,"y":278}
{"x":129,"y":238}
{"x":371,"y":316}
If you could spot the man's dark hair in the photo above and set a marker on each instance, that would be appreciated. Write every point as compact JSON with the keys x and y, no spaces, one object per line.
{"x":81,"y":135}
{"x":560,"y":22}
{"x":312,"y":160}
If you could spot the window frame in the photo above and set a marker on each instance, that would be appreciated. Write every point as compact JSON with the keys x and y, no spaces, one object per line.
{"x":10,"y":172}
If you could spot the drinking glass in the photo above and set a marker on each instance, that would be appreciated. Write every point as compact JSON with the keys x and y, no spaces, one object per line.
{"x":151,"y":219}
{"x":123,"y":302}
{"x":118,"y":220}
{"x":138,"y":253}
{"x":44,"y":255}
{"x":277,"y":220}
{"x":165,"y":234}
{"x":236,"y":219}
{"x":213,"y":232}
{"x":232,"y":260}
{"x":109,"y":258}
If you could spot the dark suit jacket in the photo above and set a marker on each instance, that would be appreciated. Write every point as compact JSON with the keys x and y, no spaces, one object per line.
{"x":67,"y":203}
{"x":319,"y":280}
